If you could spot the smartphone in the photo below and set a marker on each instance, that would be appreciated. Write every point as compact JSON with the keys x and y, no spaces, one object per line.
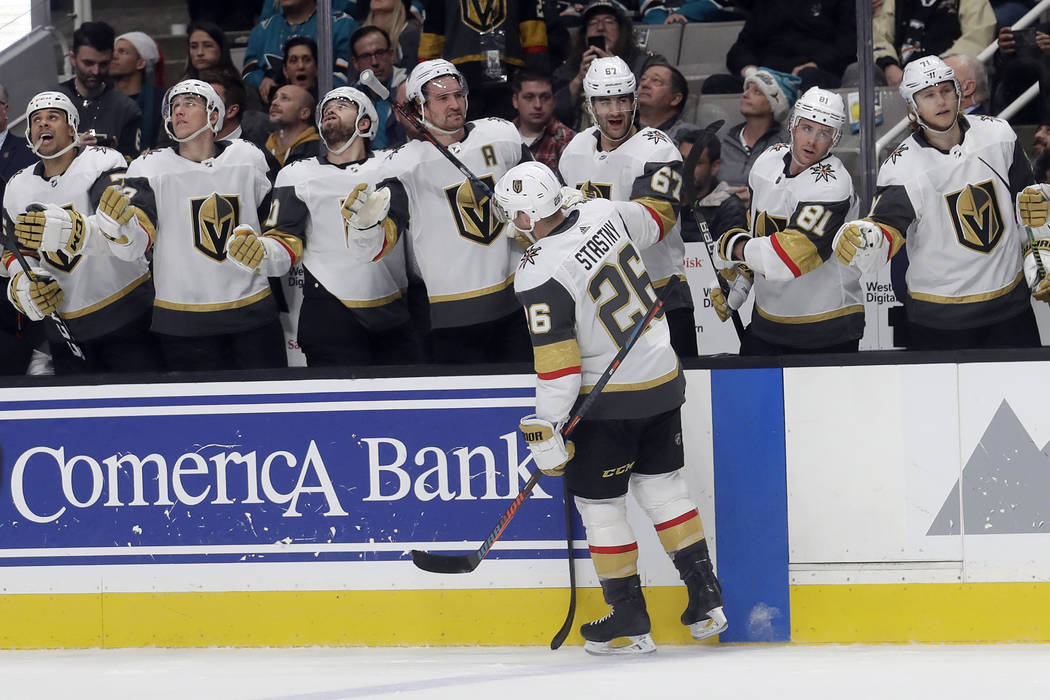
{"x":599,"y":41}
{"x":1024,"y":38}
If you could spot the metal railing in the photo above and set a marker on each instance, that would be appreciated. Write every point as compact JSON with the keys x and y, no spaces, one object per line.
{"x":892,"y":137}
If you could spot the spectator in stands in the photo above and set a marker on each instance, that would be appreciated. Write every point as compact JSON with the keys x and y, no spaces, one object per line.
{"x":206,"y":47}
{"x":662,"y":93}
{"x":1041,"y":140}
{"x":813,"y":39}
{"x":765,"y":104}
{"x":300,"y":63}
{"x":292,"y":115}
{"x":533,"y":99}
{"x":1021,"y":60}
{"x":370,"y":48}
{"x":107,"y":117}
{"x":392,"y":16}
{"x":273,"y":7}
{"x":14,"y":152}
{"x":299,"y":18}
{"x":486,"y":49}
{"x":1007,"y":12}
{"x":238,"y":122}
{"x":907,"y":29}
{"x":607,"y":31}
{"x":682,"y":11}
{"x":16,"y":342}
{"x":715,"y":199}
{"x":973,"y":79}
{"x":134,"y":70}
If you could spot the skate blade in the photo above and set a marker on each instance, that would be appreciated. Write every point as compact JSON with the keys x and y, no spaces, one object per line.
{"x":716,"y":623}
{"x":638,"y":644}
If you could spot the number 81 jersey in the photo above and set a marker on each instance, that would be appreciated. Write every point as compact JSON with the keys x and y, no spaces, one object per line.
{"x":646,"y":168}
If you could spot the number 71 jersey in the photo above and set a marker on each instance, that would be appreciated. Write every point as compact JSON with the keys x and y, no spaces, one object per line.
{"x":646,"y":168}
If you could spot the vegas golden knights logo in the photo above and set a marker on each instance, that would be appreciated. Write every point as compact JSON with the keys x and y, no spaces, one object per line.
{"x":766,"y":225}
{"x":58,"y":259}
{"x":595,"y":190}
{"x":976,"y":216}
{"x":214,"y":219}
{"x":474,"y":218}
{"x":483,"y":15}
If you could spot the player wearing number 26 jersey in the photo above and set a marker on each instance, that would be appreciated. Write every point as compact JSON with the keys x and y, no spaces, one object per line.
{"x":585,"y":291}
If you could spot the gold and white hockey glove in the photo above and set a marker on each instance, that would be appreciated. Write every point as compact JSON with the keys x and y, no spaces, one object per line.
{"x":726,"y":242}
{"x":364,"y":211}
{"x":115,"y":218}
{"x":1038,"y":278}
{"x":1033,"y":205}
{"x":549,"y":450}
{"x":34,"y":298}
{"x":50,"y":228}
{"x":860,"y":244}
{"x":260,"y":255}
{"x":740,"y":279}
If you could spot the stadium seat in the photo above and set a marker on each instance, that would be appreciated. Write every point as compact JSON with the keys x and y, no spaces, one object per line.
{"x":663,"y":39}
{"x":707,"y":43}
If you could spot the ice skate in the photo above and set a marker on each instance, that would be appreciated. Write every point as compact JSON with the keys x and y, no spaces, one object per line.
{"x":703,"y":614}
{"x":625,"y":630}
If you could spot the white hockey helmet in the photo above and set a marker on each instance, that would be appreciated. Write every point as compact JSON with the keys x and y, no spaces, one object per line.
{"x":365,"y":108}
{"x":923,"y":73}
{"x":52,"y":100}
{"x":823,"y":107}
{"x":212,"y":103}
{"x":530,"y":187}
{"x":609,"y":76}
{"x":427,"y":71}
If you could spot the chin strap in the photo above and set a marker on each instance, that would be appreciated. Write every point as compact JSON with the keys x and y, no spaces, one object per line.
{"x":195,"y":134}
{"x":634,"y":112}
{"x":341,"y":149}
{"x":36,"y":146}
{"x":958,"y":111}
{"x":427,"y":123}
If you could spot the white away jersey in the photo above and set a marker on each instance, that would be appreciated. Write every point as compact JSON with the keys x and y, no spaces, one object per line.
{"x":584,"y":287}
{"x":307,"y":200}
{"x":956,"y":211}
{"x":102,"y":292}
{"x":804,"y":297}
{"x":456,"y":243}
{"x":646,"y":168}
{"x":194,"y":208}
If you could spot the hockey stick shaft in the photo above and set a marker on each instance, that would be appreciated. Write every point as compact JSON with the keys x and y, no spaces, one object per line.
{"x":58,"y":322}
{"x":563,"y":632}
{"x":369,"y":80}
{"x":709,"y":245}
{"x":1040,"y":271}
{"x":465,"y":563}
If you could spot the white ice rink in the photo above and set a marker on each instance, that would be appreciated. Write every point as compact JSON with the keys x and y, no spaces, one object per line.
{"x":897,"y":672}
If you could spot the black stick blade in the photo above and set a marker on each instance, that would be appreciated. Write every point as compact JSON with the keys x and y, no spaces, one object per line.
{"x":445,"y":563}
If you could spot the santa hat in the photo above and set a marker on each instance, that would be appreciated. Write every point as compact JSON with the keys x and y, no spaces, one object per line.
{"x":781,"y":89}
{"x":148,"y":50}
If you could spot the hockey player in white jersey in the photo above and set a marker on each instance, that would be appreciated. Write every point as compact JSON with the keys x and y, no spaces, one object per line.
{"x":617,"y":160}
{"x":49,"y":208}
{"x":353,"y":310}
{"x":949,"y":190}
{"x":202,"y":198}
{"x":454,"y":241}
{"x":584,"y":287}
{"x":805,"y":301}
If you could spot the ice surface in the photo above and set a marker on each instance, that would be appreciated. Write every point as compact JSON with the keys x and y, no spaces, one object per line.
{"x":704,"y":672}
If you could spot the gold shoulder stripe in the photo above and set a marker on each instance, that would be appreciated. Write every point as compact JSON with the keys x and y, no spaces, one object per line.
{"x":797,"y":246}
{"x":896,"y":239}
{"x":556,"y":356}
{"x":147,"y":225}
{"x":389,"y":238}
{"x":431,"y":46}
{"x":532,"y":34}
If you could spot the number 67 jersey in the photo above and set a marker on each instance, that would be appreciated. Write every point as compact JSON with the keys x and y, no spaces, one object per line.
{"x":584,"y":288}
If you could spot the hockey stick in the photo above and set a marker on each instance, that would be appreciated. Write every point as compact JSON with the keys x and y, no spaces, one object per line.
{"x":689,"y":187}
{"x":563,"y":632}
{"x":465,"y":563}
{"x":369,"y":80}
{"x":56,"y":320}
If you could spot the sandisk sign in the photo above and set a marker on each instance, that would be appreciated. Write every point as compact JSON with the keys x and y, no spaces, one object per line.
{"x":326,"y":468}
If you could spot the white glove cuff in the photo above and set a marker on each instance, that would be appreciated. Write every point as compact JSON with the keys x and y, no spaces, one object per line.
{"x":277,"y":259}
{"x":365,"y":244}
{"x":373,"y":210}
